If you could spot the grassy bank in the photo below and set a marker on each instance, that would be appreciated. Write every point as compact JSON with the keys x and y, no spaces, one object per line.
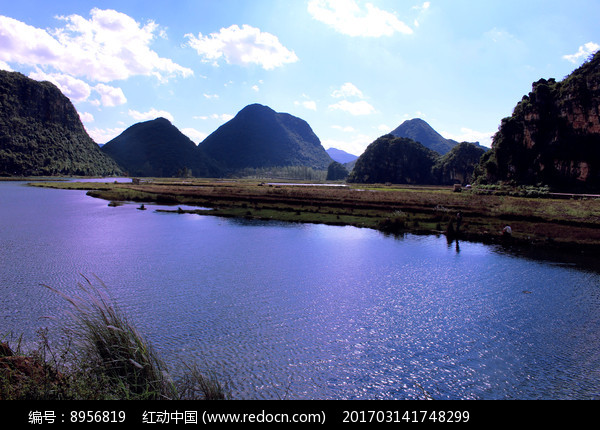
{"x":537,"y":218}
{"x":105,"y":358}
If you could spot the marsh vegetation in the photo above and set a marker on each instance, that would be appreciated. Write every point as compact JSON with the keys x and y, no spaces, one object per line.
{"x":537,"y":217}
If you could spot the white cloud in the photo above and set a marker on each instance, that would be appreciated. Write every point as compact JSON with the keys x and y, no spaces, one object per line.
{"x":468,"y":135}
{"x":347,"y":90}
{"x":150,"y":115}
{"x":384,"y":128}
{"x":308,"y":104}
{"x":195,"y":135}
{"x":110,"y":96}
{"x":220,"y":117}
{"x":86,"y":117}
{"x":256,"y":88}
{"x":211,"y":96}
{"x":4,"y":66}
{"x":24,"y":44}
{"x":348,"y":18}
{"x":75,"y":89}
{"x":356,"y":145}
{"x":422,"y":11}
{"x":354,"y":108}
{"x":80,"y":91}
{"x":584,"y":51}
{"x":242,"y":46}
{"x":108,"y":46}
{"x":426,"y":5}
{"x":104,"y":135}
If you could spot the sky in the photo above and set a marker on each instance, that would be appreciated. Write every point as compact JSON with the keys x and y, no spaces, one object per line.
{"x":354,"y":70}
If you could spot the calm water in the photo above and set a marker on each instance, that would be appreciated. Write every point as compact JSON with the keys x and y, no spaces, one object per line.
{"x":309,"y":311}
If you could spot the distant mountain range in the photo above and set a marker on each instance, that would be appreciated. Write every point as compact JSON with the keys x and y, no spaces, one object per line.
{"x":552,"y":138}
{"x":257,"y":137}
{"x":42,"y":134}
{"x":340,"y":156}
{"x":260,"y":137}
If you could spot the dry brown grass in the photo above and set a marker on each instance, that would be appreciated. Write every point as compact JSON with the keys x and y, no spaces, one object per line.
{"x":542,"y":220}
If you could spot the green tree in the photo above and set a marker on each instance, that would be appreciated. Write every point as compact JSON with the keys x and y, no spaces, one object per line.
{"x":336,"y":172}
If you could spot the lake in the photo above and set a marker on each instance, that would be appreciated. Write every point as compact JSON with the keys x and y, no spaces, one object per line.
{"x":302,"y":311}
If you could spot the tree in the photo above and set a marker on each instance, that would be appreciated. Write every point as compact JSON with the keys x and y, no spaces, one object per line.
{"x":336,"y":172}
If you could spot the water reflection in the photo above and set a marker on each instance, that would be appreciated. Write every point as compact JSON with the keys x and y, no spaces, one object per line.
{"x":311,"y":311}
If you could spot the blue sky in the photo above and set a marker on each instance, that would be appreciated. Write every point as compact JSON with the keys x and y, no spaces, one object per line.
{"x":354,"y":70}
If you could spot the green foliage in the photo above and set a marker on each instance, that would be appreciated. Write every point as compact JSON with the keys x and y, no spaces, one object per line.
{"x":158,"y":149}
{"x":552,"y":137}
{"x":419,"y":131}
{"x":41,"y":133}
{"x":258,"y":137}
{"x":530,"y":191}
{"x":458,"y":165}
{"x":336,"y":172}
{"x":396,"y":160}
{"x":395,"y":224}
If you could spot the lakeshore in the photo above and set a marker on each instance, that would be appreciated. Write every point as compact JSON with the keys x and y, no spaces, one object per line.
{"x":537,"y":219}
{"x":304,"y":311}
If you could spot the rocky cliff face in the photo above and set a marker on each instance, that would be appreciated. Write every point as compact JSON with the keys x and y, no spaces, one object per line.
{"x":553,"y":136}
{"x":41,"y":133}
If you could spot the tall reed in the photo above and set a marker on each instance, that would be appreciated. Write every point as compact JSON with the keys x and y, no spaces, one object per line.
{"x":113,"y":349}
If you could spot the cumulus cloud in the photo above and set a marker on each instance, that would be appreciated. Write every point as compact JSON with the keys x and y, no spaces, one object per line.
{"x":422,"y":11}
{"x":220,"y":117}
{"x":347,"y":90}
{"x":195,"y":135}
{"x":426,"y":5}
{"x":150,"y":115}
{"x":583,"y":52}
{"x":76,"y":89}
{"x":354,"y":108}
{"x":242,"y":46}
{"x":308,"y":104}
{"x":355,"y":145}
{"x":108,"y":46}
{"x":468,"y":135}
{"x":347,"y":17}
{"x":80,"y":91}
{"x":4,"y":66}
{"x":104,"y":135}
{"x":110,"y":96}
{"x":384,"y":128}
{"x":86,"y":117}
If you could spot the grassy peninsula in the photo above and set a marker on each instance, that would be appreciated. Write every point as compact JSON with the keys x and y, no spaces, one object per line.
{"x":536,"y":216}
